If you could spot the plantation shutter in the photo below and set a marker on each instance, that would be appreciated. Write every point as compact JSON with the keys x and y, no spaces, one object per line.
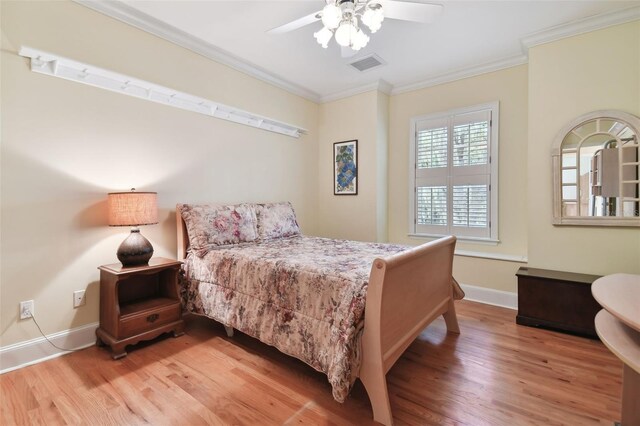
{"x":453,"y":175}
{"x":431,"y":190}
{"x":470,"y":174}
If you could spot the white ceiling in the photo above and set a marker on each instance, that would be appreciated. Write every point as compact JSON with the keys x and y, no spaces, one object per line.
{"x":467,"y":34}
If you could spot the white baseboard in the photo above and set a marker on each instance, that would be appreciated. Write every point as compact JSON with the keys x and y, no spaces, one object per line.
{"x":37,"y":350}
{"x":489,"y":296}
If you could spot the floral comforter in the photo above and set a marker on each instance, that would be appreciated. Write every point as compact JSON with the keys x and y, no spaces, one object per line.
{"x":303,"y":295}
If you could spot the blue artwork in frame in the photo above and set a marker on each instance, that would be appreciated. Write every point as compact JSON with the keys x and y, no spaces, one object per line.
{"x":345,"y":168}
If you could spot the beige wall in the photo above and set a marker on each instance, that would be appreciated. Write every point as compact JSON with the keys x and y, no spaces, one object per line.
{"x":361,"y":217}
{"x":65,"y":145}
{"x":568,"y":78}
{"x":509,"y":87}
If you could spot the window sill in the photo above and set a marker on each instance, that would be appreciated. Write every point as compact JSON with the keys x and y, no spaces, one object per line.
{"x":475,"y":240}
{"x":481,"y":255}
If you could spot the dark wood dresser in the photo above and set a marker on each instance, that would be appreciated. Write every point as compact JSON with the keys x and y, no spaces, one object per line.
{"x":557,"y":300}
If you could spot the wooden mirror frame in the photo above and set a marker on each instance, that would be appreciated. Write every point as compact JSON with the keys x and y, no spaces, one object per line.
{"x":558,"y":219}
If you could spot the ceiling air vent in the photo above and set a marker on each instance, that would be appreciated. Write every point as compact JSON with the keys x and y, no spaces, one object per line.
{"x":367,"y":63}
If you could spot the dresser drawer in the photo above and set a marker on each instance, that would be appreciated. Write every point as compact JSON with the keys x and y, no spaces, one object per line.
{"x":140,"y":322}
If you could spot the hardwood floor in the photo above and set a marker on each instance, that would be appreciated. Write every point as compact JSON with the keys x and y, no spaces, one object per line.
{"x":494,"y":373}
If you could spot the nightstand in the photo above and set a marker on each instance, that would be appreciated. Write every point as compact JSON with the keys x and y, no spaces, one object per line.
{"x":138,"y":303}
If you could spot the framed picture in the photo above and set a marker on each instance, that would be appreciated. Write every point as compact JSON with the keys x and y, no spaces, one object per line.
{"x":345,"y":168}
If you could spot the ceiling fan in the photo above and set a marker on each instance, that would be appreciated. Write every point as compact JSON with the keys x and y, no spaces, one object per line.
{"x":340,"y":18}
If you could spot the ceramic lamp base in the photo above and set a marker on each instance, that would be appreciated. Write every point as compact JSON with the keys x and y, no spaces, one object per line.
{"x":135,"y":250}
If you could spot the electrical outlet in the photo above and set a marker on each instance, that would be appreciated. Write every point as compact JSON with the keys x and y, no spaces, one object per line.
{"x":26,"y":309}
{"x":79,"y":299}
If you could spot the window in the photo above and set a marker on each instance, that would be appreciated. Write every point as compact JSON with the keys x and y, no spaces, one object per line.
{"x":454,"y":173}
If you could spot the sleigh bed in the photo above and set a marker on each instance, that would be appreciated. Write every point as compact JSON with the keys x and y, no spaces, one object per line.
{"x":348,"y":309}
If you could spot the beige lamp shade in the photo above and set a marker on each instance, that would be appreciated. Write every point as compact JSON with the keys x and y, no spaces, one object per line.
{"x":132,"y":208}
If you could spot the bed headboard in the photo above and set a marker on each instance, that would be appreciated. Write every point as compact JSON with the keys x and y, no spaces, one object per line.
{"x":183,"y":236}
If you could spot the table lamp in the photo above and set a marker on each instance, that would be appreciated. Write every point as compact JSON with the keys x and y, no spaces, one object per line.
{"x":133,"y":209}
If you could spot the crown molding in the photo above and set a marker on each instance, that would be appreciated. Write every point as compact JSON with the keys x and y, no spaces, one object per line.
{"x":462,"y":73}
{"x":127,"y":14}
{"x":548,"y":35}
{"x":132,"y":16}
{"x":385,"y":87}
{"x":581,"y":26}
{"x":380,"y":86}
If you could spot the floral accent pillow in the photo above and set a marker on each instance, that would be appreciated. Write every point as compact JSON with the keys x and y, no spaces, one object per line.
{"x":212,"y":226}
{"x":276,"y":220}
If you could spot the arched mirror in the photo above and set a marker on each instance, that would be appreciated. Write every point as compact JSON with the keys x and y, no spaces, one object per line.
{"x":596,"y":171}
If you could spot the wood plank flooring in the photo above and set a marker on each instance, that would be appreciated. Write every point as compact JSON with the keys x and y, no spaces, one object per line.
{"x":494,"y":373}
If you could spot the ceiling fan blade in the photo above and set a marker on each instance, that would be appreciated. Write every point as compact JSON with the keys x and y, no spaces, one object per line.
{"x":410,"y":11}
{"x":347,"y":52}
{"x":294,"y":25}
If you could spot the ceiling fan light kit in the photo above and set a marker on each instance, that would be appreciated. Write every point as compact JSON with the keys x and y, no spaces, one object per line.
{"x":340,"y":18}
{"x":349,"y":35}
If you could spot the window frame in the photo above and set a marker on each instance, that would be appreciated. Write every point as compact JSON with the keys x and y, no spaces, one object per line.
{"x":494,"y":127}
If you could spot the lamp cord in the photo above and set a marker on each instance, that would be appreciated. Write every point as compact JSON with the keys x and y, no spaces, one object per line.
{"x":47,"y":339}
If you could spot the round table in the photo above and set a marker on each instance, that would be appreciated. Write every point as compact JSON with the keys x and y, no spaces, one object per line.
{"x":618,"y":326}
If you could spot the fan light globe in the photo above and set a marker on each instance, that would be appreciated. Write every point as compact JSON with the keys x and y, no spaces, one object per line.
{"x":323,"y":37}
{"x":345,"y":33}
{"x":367,"y":17}
{"x":373,"y":18}
{"x":360,"y":40}
{"x":374,"y":27}
{"x":331,"y":16}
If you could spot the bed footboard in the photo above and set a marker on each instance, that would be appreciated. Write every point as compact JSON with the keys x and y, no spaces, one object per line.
{"x":406,"y":292}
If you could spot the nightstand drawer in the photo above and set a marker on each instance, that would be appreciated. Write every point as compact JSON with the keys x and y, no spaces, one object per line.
{"x":141,"y":322}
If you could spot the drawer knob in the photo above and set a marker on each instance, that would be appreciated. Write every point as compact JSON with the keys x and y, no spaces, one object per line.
{"x":153,"y":317}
